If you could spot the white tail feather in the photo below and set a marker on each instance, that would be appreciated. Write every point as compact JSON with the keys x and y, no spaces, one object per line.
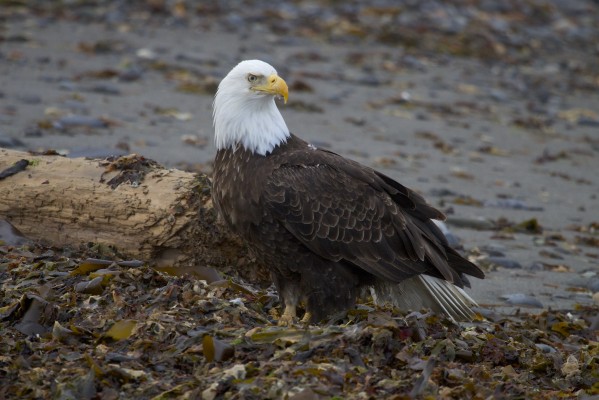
{"x":423,"y":291}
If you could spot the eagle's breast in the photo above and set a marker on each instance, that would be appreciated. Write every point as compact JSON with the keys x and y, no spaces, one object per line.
{"x":237,"y":183}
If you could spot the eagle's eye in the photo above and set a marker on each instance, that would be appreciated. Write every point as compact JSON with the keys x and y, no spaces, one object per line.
{"x":252,"y":78}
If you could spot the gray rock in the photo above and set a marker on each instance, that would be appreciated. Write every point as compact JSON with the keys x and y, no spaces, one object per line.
{"x":512,"y":204}
{"x":585,"y":121}
{"x":471,"y":222}
{"x":68,"y":85}
{"x":521,"y":299}
{"x":131,"y":74}
{"x":31,"y":99}
{"x":536,"y":266}
{"x":593,"y":285}
{"x":10,"y":235}
{"x":498,"y":95}
{"x":9,"y":142}
{"x":105,"y":88}
{"x":493,"y":250}
{"x":504,"y":262}
{"x":79,"y":120}
{"x":545,"y":348}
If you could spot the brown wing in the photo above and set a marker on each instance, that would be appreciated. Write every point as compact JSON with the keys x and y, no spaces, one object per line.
{"x":341,"y":210}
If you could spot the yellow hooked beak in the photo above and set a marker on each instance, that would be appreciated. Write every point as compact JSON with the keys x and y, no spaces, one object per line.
{"x":274,"y":85}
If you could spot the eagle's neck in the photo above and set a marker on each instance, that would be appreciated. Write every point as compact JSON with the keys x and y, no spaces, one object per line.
{"x":254,"y":123}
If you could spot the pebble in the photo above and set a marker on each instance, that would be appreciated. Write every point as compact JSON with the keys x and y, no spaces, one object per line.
{"x":494,"y":250}
{"x":30,"y":99}
{"x":536,"y":266}
{"x":504,"y":262}
{"x":498,"y":95}
{"x":571,"y":366}
{"x":512,"y":204}
{"x":442,"y":192}
{"x":585,"y":121}
{"x":70,"y":121}
{"x":198,"y":58}
{"x":545,"y":348}
{"x":10,"y":142}
{"x":413,"y":63}
{"x":237,"y":371}
{"x":68,"y":85}
{"x":76,"y":106}
{"x":9,"y":110}
{"x":118,"y":357}
{"x":590,"y":274}
{"x":211,"y":392}
{"x":455,"y":375}
{"x":10,"y":235}
{"x":471,"y":222}
{"x":131,"y":74}
{"x":104,"y":88}
{"x":33,"y":132}
{"x":196,"y":332}
{"x":146,"y":54}
{"x":521,"y":299}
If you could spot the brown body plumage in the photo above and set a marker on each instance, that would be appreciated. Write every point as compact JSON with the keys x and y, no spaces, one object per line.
{"x":329,"y":227}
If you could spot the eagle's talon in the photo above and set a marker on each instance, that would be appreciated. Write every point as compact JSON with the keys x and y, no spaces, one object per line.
{"x":307,"y":319}
{"x":288,"y":317}
{"x":285,"y":320}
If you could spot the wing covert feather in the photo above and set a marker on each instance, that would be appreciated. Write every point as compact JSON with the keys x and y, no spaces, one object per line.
{"x":340,"y":217}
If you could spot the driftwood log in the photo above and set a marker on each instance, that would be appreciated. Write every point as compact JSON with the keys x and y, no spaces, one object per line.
{"x":133,"y":205}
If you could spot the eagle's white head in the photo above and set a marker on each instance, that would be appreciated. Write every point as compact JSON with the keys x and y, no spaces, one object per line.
{"x":245,"y":112}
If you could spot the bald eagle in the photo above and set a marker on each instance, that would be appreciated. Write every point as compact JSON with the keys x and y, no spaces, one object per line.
{"x":327,"y":227}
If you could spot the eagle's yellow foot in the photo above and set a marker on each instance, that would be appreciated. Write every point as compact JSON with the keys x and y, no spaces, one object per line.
{"x":307,"y":318}
{"x":288,"y":317}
